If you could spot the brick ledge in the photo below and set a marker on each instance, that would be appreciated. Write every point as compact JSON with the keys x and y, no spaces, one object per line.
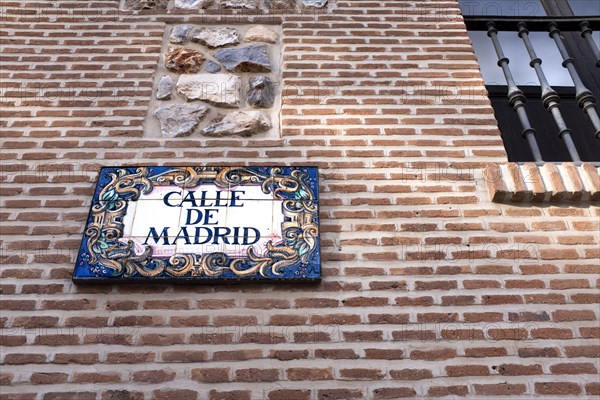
{"x":521,"y":183}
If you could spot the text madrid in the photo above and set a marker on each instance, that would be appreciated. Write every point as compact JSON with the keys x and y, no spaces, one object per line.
{"x":199,"y":224}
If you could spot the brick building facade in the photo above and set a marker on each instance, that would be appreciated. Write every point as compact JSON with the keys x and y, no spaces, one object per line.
{"x":430,"y":289}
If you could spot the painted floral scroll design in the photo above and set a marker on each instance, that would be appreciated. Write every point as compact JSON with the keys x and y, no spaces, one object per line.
{"x":300,"y":226}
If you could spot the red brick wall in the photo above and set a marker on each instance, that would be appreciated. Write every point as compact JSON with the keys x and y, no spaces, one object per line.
{"x":429,"y":289}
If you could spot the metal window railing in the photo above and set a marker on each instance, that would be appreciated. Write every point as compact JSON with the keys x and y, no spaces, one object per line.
{"x":550,"y":99}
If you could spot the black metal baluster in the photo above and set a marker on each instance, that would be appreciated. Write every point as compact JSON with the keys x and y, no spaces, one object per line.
{"x":585,"y":98}
{"x":550,"y":98}
{"x":516,"y":98}
{"x":586,"y":33}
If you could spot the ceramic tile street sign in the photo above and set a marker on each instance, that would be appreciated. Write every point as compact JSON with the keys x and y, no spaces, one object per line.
{"x":202,"y":224}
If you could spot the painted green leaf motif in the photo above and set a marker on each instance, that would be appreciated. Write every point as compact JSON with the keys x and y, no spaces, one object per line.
{"x":109,"y":199}
{"x":102,"y":242}
{"x":110,"y":195}
{"x":301,"y":194}
{"x":303,"y":249}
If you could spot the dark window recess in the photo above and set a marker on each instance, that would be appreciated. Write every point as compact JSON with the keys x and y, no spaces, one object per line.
{"x":547,"y":108}
{"x":551,"y":146}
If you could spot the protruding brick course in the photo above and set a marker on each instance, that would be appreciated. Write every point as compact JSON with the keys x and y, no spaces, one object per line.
{"x":515,"y":183}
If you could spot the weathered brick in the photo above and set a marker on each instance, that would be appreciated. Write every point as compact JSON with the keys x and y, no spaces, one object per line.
{"x":286,"y":355}
{"x":384,"y":354}
{"x":433,"y":355}
{"x":156,"y":339}
{"x":557,"y":388}
{"x":48,"y":378}
{"x":174,"y":394}
{"x":75,"y":358}
{"x":573,"y":315}
{"x":229,"y":395}
{"x":335,"y":394}
{"x":257,"y":375}
{"x":309,"y":374}
{"x":336,"y":354}
{"x":517,"y":369}
{"x":393,"y":393}
{"x":583,"y":351}
{"x":19,"y":359}
{"x":122,"y":395}
{"x":156,"y":376}
{"x":443,"y":391}
{"x":361,"y":374}
{"x":527,"y":352}
{"x":592,"y":388}
{"x":70,"y":396}
{"x":467,"y":370}
{"x":129,"y":357}
{"x":573,"y":368}
{"x":211,"y":375}
{"x":96,"y":377}
{"x":411,"y":374}
{"x":289,"y":394}
{"x":499,"y":389}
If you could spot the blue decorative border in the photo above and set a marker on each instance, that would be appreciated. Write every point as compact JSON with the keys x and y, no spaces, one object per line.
{"x":104,"y":258}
